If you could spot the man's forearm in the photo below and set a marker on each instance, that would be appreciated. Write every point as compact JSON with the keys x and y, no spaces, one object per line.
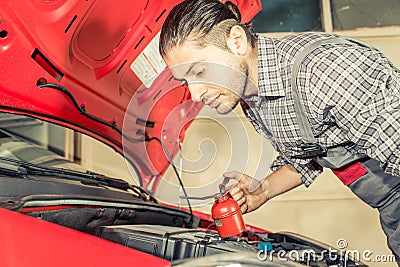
{"x":280,"y":181}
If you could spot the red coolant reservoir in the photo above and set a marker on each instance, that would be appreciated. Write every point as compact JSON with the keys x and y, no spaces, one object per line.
{"x":227,"y":216}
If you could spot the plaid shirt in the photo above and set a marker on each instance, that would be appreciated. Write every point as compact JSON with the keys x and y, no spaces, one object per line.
{"x":350,"y":94}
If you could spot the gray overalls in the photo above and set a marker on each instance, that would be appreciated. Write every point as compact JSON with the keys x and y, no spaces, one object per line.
{"x":363,"y":175}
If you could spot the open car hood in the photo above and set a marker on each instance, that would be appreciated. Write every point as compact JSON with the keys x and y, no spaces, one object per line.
{"x":90,"y":66}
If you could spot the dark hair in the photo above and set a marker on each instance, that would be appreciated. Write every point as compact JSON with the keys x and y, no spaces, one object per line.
{"x":195,"y":19}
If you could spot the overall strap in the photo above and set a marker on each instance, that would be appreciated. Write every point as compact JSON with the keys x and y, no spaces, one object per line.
{"x":310,"y":146}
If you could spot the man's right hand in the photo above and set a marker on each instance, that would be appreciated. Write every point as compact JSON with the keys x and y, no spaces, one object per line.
{"x":250,"y":193}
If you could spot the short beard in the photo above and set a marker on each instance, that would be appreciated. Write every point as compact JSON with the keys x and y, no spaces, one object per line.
{"x":245,"y":84}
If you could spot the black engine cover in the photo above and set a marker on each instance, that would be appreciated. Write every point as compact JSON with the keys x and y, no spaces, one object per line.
{"x":172,"y":243}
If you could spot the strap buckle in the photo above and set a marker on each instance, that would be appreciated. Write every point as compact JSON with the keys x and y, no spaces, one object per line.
{"x":310,"y":150}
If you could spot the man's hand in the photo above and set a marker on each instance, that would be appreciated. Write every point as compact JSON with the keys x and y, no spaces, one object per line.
{"x":250,"y":193}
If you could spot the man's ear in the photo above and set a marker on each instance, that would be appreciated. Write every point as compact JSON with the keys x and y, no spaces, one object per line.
{"x":237,"y":40}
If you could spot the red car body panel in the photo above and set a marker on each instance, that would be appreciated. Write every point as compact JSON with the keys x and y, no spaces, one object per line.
{"x":26,"y":241}
{"x":88,"y":47}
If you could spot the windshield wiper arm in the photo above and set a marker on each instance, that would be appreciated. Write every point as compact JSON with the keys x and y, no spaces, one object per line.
{"x":9,"y":172}
{"x":89,"y":178}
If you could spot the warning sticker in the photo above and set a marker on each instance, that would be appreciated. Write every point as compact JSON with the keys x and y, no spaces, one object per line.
{"x":149,"y":63}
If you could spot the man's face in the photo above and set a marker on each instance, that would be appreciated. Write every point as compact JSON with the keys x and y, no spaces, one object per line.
{"x":214,"y":76}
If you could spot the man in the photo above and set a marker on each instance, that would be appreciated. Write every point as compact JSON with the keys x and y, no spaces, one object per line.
{"x":322,"y":101}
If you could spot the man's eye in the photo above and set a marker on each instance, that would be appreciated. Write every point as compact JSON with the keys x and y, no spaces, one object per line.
{"x":200,"y":73}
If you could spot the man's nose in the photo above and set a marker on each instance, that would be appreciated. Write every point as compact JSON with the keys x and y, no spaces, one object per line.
{"x":197,"y":91}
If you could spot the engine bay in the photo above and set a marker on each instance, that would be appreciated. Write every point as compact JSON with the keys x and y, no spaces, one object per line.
{"x":172,"y":243}
{"x":165,"y":234}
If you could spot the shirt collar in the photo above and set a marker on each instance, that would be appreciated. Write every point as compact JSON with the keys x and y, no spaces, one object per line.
{"x":269,"y":78}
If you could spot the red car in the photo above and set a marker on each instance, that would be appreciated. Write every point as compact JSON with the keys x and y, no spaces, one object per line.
{"x":93,"y":66}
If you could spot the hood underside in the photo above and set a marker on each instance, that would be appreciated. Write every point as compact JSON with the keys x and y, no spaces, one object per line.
{"x":94,"y":66}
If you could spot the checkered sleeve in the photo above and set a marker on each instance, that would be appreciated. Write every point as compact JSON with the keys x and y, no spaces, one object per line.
{"x":308,"y":172}
{"x":362,"y":87}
